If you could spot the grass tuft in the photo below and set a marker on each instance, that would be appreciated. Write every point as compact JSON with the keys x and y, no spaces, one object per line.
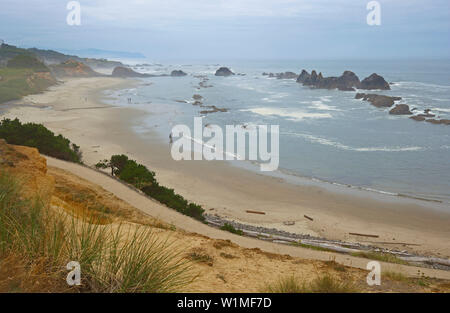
{"x":200,"y":256}
{"x":113,"y":258}
{"x":321,"y":284}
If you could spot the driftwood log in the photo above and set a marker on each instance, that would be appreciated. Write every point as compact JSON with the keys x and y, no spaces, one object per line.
{"x":364,"y":235}
{"x":256,"y":212}
{"x":309,"y":218}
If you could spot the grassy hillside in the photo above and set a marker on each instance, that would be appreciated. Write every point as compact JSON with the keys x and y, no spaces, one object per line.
{"x":23,"y":75}
{"x":28,"y":62}
{"x":8,"y":52}
{"x":51,"y":57}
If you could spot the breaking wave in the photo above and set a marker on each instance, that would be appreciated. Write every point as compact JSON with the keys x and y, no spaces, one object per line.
{"x":328,"y":142}
{"x":289,"y":114}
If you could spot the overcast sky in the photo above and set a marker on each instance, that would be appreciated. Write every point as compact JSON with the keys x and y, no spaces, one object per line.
{"x":225,"y":29}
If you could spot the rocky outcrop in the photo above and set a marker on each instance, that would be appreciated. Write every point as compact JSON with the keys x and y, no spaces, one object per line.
{"x":400,"y":109}
{"x":378,"y":100}
{"x":285,"y":75}
{"x":224,"y":71}
{"x":213,"y":108}
{"x":124,"y":72}
{"x":374,"y":81}
{"x":348,"y":81}
{"x":417,"y":118}
{"x":312,"y":79}
{"x":177,"y":73}
{"x":302,"y":77}
{"x":426,"y":113}
{"x":434,"y":121}
{"x":428,"y":117}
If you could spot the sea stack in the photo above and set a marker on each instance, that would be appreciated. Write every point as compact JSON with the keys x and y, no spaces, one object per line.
{"x":374,"y":81}
{"x":224,"y":71}
{"x":400,"y":109}
{"x":346,"y":82}
{"x":304,"y":75}
{"x":177,"y":73}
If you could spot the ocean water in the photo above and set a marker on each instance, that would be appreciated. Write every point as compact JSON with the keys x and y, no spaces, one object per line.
{"x":326,"y":135}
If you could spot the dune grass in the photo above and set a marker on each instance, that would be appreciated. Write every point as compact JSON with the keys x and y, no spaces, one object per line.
{"x":285,"y":285}
{"x":120,"y":258}
{"x":323,"y":283}
{"x":396,"y":276}
{"x":379,"y":256}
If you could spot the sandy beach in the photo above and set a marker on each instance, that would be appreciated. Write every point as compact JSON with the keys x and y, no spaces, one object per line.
{"x":77,"y":110}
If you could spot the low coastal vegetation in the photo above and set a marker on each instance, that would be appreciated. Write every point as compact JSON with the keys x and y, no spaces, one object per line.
{"x":23,"y":75}
{"x":230,"y":228}
{"x":36,"y":243}
{"x":38,"y":136}
{"x":142,"y":178}
{"x":324,"y":283}
{"x":379,"y":256}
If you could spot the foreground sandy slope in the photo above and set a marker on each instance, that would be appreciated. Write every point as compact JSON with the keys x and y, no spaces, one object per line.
{"x":156,"y":210}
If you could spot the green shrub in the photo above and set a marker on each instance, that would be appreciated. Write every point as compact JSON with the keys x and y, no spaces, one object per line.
{"x":38,"y":136}
{"x":142,"y":178}
{"x":231,"y":229}
{"x":168,"y":197}
{"x":137,"y":175}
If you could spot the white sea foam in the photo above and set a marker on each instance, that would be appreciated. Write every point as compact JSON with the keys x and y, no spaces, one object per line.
{"x":319,"y":105}
{"x":413,"y":85}
{"x":289,"y":114}
{"x":440,"y":99}
{"x":325,"y":99}
{"x":268,"y":99}
{"x":328,"y":142}
{"x":441,"y":110}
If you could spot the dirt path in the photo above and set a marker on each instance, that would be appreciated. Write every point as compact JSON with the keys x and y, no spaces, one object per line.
{"x":157,"y":210}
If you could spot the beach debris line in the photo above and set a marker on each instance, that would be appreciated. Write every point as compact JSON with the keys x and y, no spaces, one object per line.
{"x":364,"y":235}
{"x":283,"y":237}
